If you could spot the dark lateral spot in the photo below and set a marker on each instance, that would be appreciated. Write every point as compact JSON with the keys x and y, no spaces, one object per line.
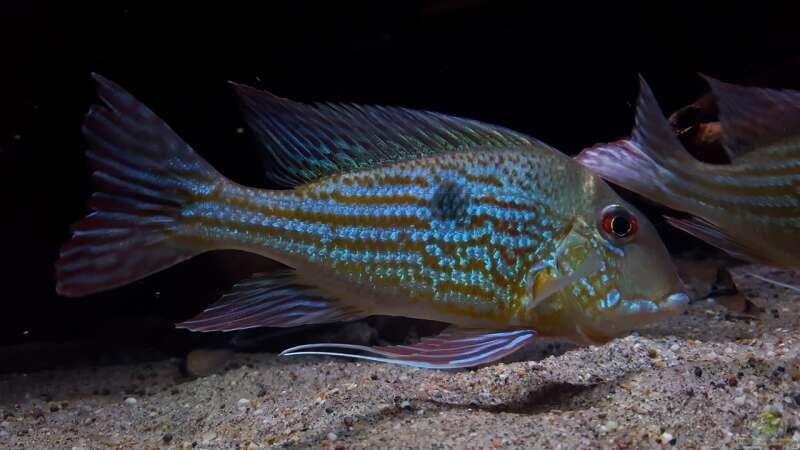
{"x":449,"y":202}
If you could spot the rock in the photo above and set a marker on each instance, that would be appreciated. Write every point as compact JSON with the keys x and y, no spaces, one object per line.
{"x":243,"y":404}
{"x":130,"y":401}
{"x":204,"y":362}
{"x":207,"y":438}
{"x":167,"y":438}
{"x":739,"y":401}
{"x":668,"y":438}
{"x":332,"y":436}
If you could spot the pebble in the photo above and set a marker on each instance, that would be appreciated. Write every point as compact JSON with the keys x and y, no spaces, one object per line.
{"x":252,"y":446}
{"x":668,"y":438}
{"x":675,"y":347}
{"x":131,"y":401}
{"x":4,"y":434}
{"x":201,"y":363}
{"x":332,"y":436}
{"x":259,"y":412}
{"x":739,"y":401}
{"x":208,"y":437}
{"x":243,"y":404}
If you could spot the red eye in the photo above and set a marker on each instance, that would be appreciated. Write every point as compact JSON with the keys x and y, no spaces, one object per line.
{"x":616,"y":221}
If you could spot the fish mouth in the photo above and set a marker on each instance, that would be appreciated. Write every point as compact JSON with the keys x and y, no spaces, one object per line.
{"x":672,"y":304}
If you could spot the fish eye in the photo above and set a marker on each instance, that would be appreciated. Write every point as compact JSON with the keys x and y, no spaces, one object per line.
{"x":617,"y":222}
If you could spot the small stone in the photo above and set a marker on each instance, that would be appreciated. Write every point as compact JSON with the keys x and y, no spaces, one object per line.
{"x":54,"y":408}
{"x":652,"y":354}
{"x":207,"y":438}
{"x":675,"y":347}
{"x":611,"y":425}
{"x":4,"y":434}
{"x":668,"y":438}
{"x":698,"y":372}
{"x":252,"y":446}
{"x":259,"y":412}
{"x":201,"y":363}
{"x":739,"y":401}
{"x":243,"y":404}
{"x":167,"y":438}
{"x":348,"y":421}
{"x":405,"y":404}
{"x":130,"y":401}
{"x":38,"y":413}
{"x":733,"y":381}
{"x":332,"y":437}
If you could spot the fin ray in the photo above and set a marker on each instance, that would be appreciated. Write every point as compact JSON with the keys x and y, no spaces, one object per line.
{"x":275,"y":299}
{"x":141,"y":167}
{"x":713,"y":235}
{"x":307,"y":142}
{"x":752,"y":117}
{"x":454,"y":348}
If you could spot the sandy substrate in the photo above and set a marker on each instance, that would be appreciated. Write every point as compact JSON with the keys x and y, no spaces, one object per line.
{"x":713,"y":378}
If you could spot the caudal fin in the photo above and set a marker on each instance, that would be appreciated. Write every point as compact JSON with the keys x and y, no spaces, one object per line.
{"x":145,"y":174}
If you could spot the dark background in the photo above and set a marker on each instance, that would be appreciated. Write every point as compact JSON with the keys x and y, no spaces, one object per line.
{"x":565,"y":73}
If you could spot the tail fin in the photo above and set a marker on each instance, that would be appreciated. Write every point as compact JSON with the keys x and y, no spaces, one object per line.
{"x":644,"y":163}
{"x":145,"y":174}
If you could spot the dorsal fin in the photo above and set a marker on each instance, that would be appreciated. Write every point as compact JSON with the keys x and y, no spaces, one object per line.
{"x":653,"y":132}
{"x":307,"y":142}
{"x":752,"y":117}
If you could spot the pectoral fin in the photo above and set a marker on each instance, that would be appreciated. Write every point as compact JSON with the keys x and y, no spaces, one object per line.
{"x":454,"y":348}
{"x":710,"y":233}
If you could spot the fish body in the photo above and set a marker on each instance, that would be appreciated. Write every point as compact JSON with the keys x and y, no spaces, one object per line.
{"x":750,"y":207}
{"x":391,"y":212}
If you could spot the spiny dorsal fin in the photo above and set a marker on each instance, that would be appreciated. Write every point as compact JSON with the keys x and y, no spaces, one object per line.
{"x":752,"y":117}
{"x":307,"y":142}
{"x":275,"y":299}
{"x":653,"y":132}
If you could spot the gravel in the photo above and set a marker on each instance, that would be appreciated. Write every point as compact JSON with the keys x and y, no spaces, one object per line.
{"x":708,"y":378}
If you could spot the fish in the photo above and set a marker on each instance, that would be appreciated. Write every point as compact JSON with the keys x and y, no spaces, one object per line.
{"x":379,"y":211}
{"x":749,"y":208}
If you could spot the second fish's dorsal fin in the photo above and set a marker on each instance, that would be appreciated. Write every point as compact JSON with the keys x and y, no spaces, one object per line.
{"x":653,"y":132}
{"x":307,"y":142}
{"x":752,"y":117}
{"x":274,"y":299}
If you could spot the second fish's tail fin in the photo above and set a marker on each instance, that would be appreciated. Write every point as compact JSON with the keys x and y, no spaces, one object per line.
{"x":145,"y":176}
{"x":650,"y":161}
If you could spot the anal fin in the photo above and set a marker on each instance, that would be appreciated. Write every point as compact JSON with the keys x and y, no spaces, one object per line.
{"x":275,"y":299}
{"x":454,"y":348}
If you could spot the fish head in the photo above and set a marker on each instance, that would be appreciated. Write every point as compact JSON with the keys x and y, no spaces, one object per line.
{"x":609,"y":274}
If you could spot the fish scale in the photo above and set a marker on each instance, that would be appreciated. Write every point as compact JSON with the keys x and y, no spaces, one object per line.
{"x":473,"y":264}
{"x":390,"y":212}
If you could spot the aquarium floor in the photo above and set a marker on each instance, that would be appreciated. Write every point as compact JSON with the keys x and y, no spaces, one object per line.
{"x":713,"y":377}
